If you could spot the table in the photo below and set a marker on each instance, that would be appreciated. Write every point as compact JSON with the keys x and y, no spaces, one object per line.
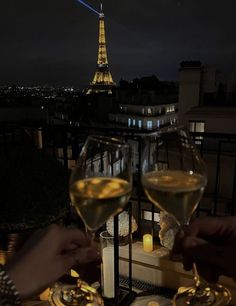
{"x":143,"y":301}
{"x":140,"y":301}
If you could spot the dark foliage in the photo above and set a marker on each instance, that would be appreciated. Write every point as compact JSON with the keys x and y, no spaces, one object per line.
{"x":34,"y":188}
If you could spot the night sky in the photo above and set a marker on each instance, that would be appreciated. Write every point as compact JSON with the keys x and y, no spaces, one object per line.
{"x":54,"y":42}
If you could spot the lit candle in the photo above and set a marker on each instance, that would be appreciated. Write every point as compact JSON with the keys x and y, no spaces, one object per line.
{"x":153,"y":304}
{"x":73,"y":273}
{"x":45,"y":295}
{"x":108,"y":272}
{"x":147,"y":243}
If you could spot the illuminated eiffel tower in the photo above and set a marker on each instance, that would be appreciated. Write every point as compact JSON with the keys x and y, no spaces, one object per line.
{"x":102,"y":80}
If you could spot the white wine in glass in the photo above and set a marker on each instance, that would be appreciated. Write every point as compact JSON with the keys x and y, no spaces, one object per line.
{"x":98,"y":198}
{"x":174,"y":178}
{"x":101,"y":183}
{"x":177,"y":191}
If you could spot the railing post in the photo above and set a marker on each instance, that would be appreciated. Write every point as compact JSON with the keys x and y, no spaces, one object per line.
{"x":116,"y":260}
{"x":139,"y":185}
{"x":234,"y":191}
{"x":217,"y":179}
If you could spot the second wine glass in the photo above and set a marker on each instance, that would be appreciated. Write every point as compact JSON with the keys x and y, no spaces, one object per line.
{"x":174,"y":178}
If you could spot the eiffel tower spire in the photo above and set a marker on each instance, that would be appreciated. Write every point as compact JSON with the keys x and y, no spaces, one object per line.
{"x":102,"y":80}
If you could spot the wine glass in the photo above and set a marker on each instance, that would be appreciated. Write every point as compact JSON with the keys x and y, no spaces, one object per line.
{"x":174,"y":178}
{"x":101,"y":183}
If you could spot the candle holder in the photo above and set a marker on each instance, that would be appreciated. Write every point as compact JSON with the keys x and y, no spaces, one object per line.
{"x":107,"y":252}
{"x":124,"y":227}
{"x":112,"y":292}
{"x":69,"y":295}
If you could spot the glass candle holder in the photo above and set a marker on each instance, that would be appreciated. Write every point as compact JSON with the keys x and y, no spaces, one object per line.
{"x":107,"y":270}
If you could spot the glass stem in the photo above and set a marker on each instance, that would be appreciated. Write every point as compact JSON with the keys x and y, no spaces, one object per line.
{"x":196,"y":277}
{"x":91,"y":233}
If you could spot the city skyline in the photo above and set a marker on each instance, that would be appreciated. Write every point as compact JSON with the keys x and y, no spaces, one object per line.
{"x":56,"y":42}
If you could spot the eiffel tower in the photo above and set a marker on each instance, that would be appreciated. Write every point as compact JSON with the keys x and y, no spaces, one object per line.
{"x":102,"y":80}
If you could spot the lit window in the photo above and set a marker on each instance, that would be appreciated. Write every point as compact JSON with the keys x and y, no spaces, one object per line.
{"x":173,"y":120}
{"x":149,"y":110}
{"x":158,"y":123}
{"x":197,"y":127}
{"x":192,"y":126}
{"x":129,"y":122}
{"x":200,"y":127}
{"x":140,"y":124}
{"x":133,"y":122}
{"x":149,"y":124}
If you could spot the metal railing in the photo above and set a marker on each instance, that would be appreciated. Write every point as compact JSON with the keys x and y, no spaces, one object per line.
{"x":65,"y":143}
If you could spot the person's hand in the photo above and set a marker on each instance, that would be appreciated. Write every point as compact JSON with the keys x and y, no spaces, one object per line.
{"x":48,"y":255}
{"x":210,"y":243}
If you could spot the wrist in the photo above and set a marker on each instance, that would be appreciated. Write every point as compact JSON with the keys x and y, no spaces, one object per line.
{"x":8,"y":292}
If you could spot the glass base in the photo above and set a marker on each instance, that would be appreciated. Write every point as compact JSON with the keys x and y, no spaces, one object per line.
{"x":215,"y":295}
{"x":72,"y":295}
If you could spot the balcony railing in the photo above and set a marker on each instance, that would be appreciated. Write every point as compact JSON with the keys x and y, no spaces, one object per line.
{"x":217,"y":150}
{"x":65,"y":143}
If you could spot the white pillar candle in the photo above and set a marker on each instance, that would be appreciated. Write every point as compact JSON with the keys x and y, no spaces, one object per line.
{"x":147,"y":243}
{"x":108,"y":272}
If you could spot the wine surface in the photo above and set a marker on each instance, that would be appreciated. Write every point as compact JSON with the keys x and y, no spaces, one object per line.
{"x":98,"y":198}
{"x":174,"y":191}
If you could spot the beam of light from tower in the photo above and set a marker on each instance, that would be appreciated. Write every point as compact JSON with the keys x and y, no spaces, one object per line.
{"x":88,"y":6}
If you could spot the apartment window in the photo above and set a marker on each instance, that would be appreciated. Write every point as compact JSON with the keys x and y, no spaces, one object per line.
{"x":140,"y":124}
{"x":197,"y":127}
{"x":158,"y":123}
{"x":149,"y":110}
{"x":129,"y":122}
{"x":173,"y":120}
{"x":133,"y":122}
{"x":149,"y":124}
